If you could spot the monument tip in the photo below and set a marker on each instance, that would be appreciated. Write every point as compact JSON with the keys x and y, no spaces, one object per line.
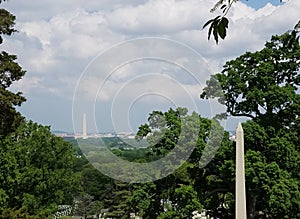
{"x":239,"y":127}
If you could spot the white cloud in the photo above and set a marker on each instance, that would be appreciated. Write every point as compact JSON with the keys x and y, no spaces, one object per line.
{"x":281,"y":19}
{"x":31,"y":10}
{"x":58,"y":38}
{"x":160,"y":17}
{"x":27,"y":84}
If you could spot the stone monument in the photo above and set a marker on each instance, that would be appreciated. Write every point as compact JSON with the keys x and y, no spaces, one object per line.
{"x":84,"y":134}
{"x":240,"y":185}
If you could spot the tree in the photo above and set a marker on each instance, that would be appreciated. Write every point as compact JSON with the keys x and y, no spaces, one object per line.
{"x":264,"y":86}
{"x":96,"y":188}
{"x":118,"y":201}
{"x":35,"y":166}
{"x":85,"y":206}
{"x":176,"y":195}
{"x":271,"y":163}
{"x":36,"y":170}
{"x":10,"y":71}
{"x":95,"y":183}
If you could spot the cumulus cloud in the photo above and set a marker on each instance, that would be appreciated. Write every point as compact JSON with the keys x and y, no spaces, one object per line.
{"x":160,"y":17}
{"x":57,"y":39}
{"x":31,"y":10}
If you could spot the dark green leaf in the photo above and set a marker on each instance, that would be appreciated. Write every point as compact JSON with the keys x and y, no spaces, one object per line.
{"x":215,"y":32}
{"x":224,"y":21}
{"x":221,"y":31}
{"x":223,"y":24}
{"x":209,"y":30}
{"x":207,"y":23}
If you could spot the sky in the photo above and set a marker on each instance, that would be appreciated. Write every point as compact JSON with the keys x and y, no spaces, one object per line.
{"x":118,"y":60}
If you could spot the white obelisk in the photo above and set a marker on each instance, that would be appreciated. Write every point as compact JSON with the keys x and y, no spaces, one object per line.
{"x":240,"y":185}
{"x":84,"y":135}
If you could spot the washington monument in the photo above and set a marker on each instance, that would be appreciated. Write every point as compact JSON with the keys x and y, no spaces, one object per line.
{"x":84,"y":135}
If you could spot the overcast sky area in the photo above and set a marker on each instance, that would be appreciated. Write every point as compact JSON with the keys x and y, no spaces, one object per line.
{"x":75,"y":49}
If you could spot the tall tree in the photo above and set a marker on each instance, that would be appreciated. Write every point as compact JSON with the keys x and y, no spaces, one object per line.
{"x":264,"y":86}
{"x":36,"y":171}
{"x":118,"y":206}
{"x":10,"y":71}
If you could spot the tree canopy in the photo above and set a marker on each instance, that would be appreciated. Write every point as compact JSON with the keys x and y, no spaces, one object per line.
{"x":10,"y":71}
{"x":264,"y":86}
{"x":36,"y":167}
{"x":36,"y":170}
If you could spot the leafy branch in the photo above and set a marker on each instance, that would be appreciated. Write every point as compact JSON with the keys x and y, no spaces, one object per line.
{"x":219,"y":25}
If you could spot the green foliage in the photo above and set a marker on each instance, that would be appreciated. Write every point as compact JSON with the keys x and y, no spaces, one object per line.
{"x":222,"y":5}
{"x":86,"y":206}
{"x":95,"y":183}
{"x":21,"y":214}
{"x":10,"y":71}
{"x":270,"y":163}
{"x":186,"y":201}
{"x":36,"y":170}
{"x":10,"y":119}
{"x":169,"y":214}
{"x":140,"y":200}
{"x":7,"y":21}
{"x":215,"y":182}
{"x":219,"y":24}
{"x":35,"y":166}
{"x":173,"y":128}
{"x":118,"y":202}
{"x":262,"y":85}
{"x":272,"y":174}
{"x":174,"y":196}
